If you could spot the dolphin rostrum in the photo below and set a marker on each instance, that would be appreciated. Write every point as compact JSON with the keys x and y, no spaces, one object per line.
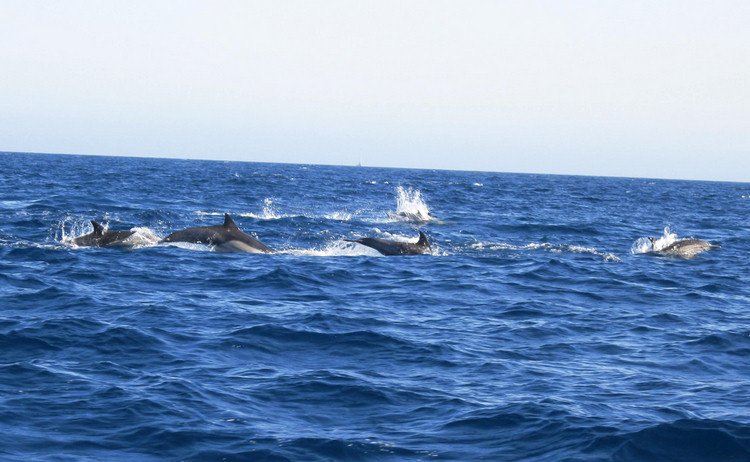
{"x":387,"y":247}
{"x":686,"y":248}
{"x":100,"y":237}
{"x":224,"y":238}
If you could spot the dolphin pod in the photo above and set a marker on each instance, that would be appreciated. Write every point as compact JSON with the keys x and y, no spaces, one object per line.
{"x":686,"y":248}
{"x":228,"y":237}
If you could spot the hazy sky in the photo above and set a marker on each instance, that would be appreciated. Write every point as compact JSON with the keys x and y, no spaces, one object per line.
{"x":624,"y":88}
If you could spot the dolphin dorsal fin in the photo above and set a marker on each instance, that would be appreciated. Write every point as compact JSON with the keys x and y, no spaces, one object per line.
{"x":423,"y":240}
{"x":98,"y":228}
{"x":228,"y":222}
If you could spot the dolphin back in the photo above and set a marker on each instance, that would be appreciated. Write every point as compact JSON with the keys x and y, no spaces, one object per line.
{"x":226,"y":237}
{"x":100,"y":237}
{"x":388,"y":247}
{"x":687,"y":248}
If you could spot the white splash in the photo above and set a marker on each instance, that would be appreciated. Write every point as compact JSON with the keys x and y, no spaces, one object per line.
{"x":566,"y":248}
{"x":339,"y":216}
{"x":189,"y":246}
{"x":393,"y":237}
{"x":269,"y":212}
{"x":482,"y":246}
{"x":335,"y":249}
{"x":644,"y":244}
{"x":70,"y":228}
{"x":142,"y":237}
{"x":547,"y":247}
{"x":410,"y":206}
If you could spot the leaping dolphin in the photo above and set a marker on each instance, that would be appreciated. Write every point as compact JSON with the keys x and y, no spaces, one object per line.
{"x":686,"y":248}
{"x":100,"y":237}
{"x":224,"y":238}
{"x":387,"y":247}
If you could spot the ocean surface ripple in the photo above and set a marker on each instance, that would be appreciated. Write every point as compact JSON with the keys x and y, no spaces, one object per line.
{"x":537,"y":330}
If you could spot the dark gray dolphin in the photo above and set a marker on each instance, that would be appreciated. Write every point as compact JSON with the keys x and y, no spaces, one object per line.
{"x":387,"y":247}
{"x":686,"y":248}
{"x":224,"y":238}
{"x":100,"y":237}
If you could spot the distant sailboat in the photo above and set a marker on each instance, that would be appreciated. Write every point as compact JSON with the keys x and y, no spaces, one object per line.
{"x":360,"y":162}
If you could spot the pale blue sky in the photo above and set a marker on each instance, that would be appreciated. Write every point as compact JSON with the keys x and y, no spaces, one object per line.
{"x":628,"y":88}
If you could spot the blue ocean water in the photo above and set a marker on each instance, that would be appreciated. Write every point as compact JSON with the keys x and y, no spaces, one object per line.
{"x":537,"y":330}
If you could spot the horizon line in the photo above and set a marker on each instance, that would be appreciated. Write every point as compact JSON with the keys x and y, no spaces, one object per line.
{"x":361,"y":165}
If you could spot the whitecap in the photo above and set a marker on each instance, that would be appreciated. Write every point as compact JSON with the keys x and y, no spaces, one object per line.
{"x":212,"y":214}
{"x":17,"y":204}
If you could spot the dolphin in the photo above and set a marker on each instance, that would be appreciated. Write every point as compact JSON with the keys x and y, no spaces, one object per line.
{"x":225,"y":238}
{"x":100,"y":237}
{"x":387,"y":247}
{"x":414,"y":217}
{"x":686,"y":248}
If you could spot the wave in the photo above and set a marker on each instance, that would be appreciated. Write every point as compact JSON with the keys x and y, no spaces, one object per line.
{"x":315,"y":449}
{"x":15,"y":205}
{"x":687,"y":441}
{"x":735,"y":344}
{"x":275,"y":342}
